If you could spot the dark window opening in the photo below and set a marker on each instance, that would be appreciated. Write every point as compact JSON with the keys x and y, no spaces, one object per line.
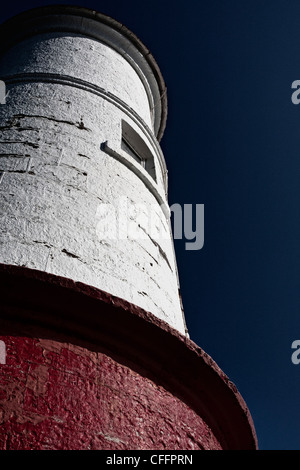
{"x":134,"y":145}
{"x":127,"y":147}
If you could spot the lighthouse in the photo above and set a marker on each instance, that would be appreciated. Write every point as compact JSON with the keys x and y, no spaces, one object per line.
{"x":97,"y":353}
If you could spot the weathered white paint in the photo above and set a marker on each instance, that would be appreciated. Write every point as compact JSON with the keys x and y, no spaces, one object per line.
{"x":68,"y":96}
{"x":82,"y":58}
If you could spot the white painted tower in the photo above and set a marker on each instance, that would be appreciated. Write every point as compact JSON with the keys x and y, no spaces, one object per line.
{"x":79,"y":139}
{"x":96,"y":353}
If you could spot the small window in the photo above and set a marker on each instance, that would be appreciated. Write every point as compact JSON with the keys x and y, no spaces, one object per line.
{"x":135,"y":146}
{"x":127,"y":147}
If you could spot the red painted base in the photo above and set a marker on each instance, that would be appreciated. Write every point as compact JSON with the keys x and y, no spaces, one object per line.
{"x":85,"y":370}
{"x":56,"y":395}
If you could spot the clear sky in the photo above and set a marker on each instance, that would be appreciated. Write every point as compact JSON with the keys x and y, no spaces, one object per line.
{"x":232,"y":143}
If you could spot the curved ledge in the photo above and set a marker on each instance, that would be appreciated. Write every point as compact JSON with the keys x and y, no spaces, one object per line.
{"x":83,"y":85}
{"x":141,"y":173}
{"x":86,"y":315}
{"x":84,"y":21}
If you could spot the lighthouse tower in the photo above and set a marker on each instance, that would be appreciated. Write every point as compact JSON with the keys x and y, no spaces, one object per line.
{"x":95,"y":352}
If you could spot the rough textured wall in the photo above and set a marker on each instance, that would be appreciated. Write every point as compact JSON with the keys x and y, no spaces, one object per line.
{"x":83,"y":58}
{"x":60,"y":396}
{"x":68,"y":96}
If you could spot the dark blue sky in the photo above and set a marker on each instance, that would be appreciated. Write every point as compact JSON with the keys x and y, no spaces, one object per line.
{"x":232,"y":143}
